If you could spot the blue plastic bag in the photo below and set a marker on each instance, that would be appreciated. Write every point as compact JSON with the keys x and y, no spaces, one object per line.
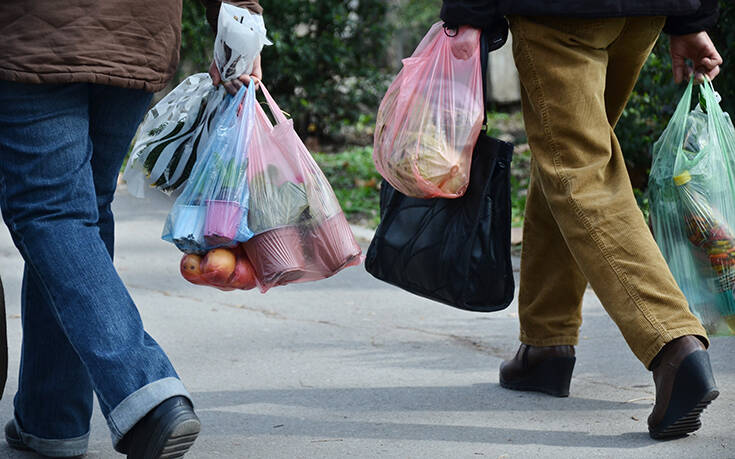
{"x":212,"y":210}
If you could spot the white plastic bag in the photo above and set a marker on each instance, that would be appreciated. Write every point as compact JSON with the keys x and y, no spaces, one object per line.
{"x":165,"y":148}
{"x":240,"y":38}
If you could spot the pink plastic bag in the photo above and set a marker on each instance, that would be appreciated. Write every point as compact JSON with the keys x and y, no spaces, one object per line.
{"x":430,"y":118}
{"x":300,"y":231}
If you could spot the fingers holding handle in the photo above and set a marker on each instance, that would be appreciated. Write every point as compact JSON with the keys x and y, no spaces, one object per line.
{"x":234,"y":85}
{"x":694,"y":54}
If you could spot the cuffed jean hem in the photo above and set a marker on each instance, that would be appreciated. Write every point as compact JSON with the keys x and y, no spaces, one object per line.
{"x":649,"y":354}
{"x":136,"y":405}
{"x":64,"y":447}
{"x":570,"y":340}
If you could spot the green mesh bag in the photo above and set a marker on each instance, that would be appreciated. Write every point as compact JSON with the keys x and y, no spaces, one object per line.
{"x":692,"y":195}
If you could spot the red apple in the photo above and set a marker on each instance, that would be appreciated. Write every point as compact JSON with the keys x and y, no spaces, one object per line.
{"x":244,"y":276}
{"x":190,"y":267}
{"x":217,"y":266}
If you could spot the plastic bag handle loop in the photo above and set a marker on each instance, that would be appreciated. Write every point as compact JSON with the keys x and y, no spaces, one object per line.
{"x":454,"y":29}
{"x":235,"y":102}
{"x":718,"y":123}
{"x":247,"y":102}
{"x":275,"y":110}
{"x":683,"y":109}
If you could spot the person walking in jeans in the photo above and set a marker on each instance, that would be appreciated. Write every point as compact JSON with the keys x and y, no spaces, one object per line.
{"x":75,"y":81}
{"x":578,"y":63}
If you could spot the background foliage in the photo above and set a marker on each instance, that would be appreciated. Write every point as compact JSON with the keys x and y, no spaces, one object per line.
{"x":355,"y":181}
{"x":724,"y":38}
{"x":197,"y":41}
{"x":326,"y":61}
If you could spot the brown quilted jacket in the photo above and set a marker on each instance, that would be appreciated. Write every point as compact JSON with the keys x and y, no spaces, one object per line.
{"x":127,"y":43}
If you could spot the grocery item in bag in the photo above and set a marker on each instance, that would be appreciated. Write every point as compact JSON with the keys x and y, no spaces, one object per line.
{"x":222,"y":268}
{"x":300,"y":232}
{"x":692,"y":189}
{"x":212,"y":209}
{"x":430,"y":117}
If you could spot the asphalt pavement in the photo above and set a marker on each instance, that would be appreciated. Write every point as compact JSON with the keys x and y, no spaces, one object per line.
{"x":352,"y":367}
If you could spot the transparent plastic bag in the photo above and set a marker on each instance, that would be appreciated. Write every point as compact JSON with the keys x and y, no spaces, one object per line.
{"x":430,"y":117}
{"x":300,"y":231}
{"x":212,"y":210}
{"x":171,"y":135}
{"x":223,"y":268}
{"x":692,"y":195}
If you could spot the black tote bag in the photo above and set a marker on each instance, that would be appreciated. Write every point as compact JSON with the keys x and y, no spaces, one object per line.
{"x":455,"y":251}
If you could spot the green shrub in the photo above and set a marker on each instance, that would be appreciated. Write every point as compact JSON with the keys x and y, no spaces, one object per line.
{"x":724,"y":38}
{"x":325,"y":64}
{"x":197,"y":41}
{"x":355,"y":181}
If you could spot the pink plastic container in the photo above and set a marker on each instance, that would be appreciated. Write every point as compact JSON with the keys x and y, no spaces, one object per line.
{"x":333,"y":245}
{"x":222,"y":222}
{"x":277,"y":256}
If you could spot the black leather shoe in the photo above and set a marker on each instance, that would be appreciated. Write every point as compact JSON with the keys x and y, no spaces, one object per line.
{"x":13,"y":437}
{"x":684,"y":387}
{"x":166,"y":432}
{"x":546,"y":369}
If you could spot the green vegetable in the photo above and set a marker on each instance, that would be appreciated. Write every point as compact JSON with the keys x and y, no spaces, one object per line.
{"x":275,"y":205}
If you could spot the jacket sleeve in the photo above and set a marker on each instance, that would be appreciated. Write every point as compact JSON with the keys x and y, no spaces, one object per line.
{"x":476,"y":13}
{"x":212,"y":7}
{"x":705,"y":18}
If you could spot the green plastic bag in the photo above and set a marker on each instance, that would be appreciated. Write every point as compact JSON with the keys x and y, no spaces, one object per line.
{"x":692,"y":195}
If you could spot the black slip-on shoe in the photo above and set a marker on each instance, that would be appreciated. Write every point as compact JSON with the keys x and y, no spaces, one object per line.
{"x":546,"y":369}
{"x":166,"y":432}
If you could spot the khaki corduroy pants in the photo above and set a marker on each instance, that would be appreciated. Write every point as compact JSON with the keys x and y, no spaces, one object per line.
{"x":582,"y":223}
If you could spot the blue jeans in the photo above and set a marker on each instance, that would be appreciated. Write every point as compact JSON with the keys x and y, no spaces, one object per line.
{"x":61,"y":147}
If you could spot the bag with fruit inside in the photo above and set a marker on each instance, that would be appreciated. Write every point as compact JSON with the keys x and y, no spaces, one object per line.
{"x":430,"y":117}
{"x":300,"y":231}
{"x":692,"y":195}
{"x":212,"y":210}
{"x":223,"y":268}
{"x":171,"y":135}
